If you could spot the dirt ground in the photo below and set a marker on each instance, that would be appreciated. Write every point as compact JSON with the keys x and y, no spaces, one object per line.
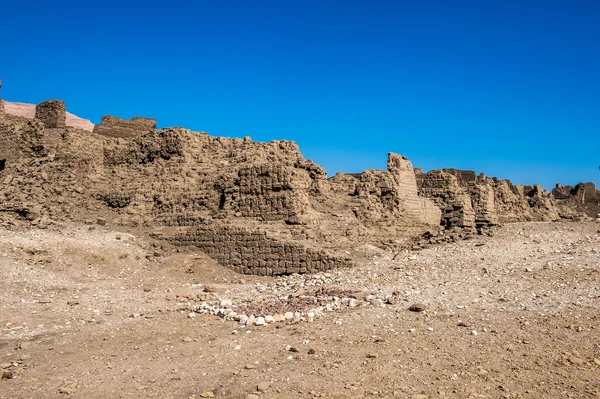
{"x":90,"y":312}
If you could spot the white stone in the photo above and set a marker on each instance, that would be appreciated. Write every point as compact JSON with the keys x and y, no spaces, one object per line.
{"x":226,"y":303}
{"x":260,"y":321}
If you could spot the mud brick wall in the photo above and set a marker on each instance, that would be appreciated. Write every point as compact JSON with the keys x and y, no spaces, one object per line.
{"x":9,"y":138}
{"x":464,"y":177}
{"x":52,"y":114}
{"x":562,"y":193}
{"x":266,"y":191}
{"x":483,"y":200}
{"x":414,"y":207}
{"x":122,"y":128}
{"x":443,"y":189}
{"x":585,"y":193}
{"x":19,"y":136}
{"x":252,"y":252}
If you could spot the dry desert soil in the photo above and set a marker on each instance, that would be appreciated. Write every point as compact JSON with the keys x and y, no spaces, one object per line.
{"x":87,"y":311}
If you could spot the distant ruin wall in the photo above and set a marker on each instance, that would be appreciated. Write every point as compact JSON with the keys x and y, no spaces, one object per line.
{"x":52,"y":114}
{"x":444,"y":190}
{"x":415,"y":208}
{"x":584,"y":197}
{"x":252,"y":252}
{"x":122,"y":128}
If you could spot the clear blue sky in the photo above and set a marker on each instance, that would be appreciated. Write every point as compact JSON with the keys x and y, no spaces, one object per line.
{"x":510,"y":88}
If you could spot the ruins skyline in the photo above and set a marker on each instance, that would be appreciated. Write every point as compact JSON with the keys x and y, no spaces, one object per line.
{"x":515,"y":100}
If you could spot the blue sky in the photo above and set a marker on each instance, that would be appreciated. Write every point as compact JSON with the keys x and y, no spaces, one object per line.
{"x":508,"y":88}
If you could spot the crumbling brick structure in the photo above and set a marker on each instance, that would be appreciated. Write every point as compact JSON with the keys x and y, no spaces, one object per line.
{"x":259,"y":208}
{"x":584,"y":197}
{"x":52,"y":114}
{"x":122,"y":128}
{"x":253,"y":252}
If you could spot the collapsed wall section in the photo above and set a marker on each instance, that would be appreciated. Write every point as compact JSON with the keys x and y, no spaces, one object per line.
{"x":443,"y":189}
{"x":122,"y":128}
{"x":584,"y":197}
{"x":252,"y":252}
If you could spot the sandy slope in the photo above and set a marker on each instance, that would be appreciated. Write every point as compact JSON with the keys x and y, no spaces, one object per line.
{"x":28,"y":111}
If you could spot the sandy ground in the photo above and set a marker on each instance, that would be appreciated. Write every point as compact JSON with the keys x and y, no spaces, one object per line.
{"x":28,"y":111}
{"x":90,"y":312}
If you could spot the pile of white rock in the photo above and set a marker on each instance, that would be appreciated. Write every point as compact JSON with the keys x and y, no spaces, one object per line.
{"x":226,"y":310}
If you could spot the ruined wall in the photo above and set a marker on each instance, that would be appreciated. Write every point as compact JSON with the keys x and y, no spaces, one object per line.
{"x":385,"y":195}
{"x":252,"y":252}
{"x":484,"y":204}
{"x":469,"y":200}
{"x":269,"y":192}
{"x":9,"y":138}
{"x":583,"y":198}
{"x":122,"y":128}
{"x":52,"y":114}
{"x":415,"y":208}
{"x":456,"y":205}
{"x":19,"y":137}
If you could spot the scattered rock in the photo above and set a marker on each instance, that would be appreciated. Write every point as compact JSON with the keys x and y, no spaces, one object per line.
{"x":7,"y":375}
{"x":576,"y":360}
{"x":417,"y":307}
{"x":263,"y":386}
{"x":215,"y":287}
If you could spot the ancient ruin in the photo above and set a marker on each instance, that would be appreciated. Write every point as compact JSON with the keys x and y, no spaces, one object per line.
{"x":52,"y":114}
{"x":117,"y":127}
{"x":258,"y":208}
